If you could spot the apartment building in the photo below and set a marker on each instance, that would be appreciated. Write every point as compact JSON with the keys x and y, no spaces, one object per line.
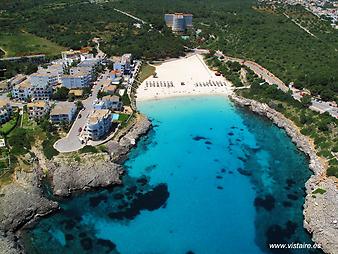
{"x":98,"y":124}
{"x":37,"y":109}
{"x":63,"y":112}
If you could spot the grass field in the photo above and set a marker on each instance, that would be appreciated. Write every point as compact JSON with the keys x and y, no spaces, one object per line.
{"x":21,"y":44}
{"x":145,"y":72}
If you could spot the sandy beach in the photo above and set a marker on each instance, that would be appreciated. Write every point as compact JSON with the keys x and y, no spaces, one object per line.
{"x":186,"y":76}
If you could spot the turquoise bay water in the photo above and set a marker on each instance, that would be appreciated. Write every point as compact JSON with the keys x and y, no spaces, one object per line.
{"x":209,"y":178}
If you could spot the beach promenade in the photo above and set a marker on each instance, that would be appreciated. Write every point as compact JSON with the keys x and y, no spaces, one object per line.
{"x":186,"y":76}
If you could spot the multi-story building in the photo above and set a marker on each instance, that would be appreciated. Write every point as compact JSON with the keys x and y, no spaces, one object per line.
{"x":55,"y":69}
{"x":16,"y":80}
{"x":78,"y":80}
{"x":126,"y":62}
{"x":92,"y":63}
{"x":98,"y":124}
{"x":77,"y":70}
{"x":63,"y":112}
{"x":43,"y":79}
{"x":26,"y":90}
{"x":5,"y":111}
{"x":22,"y":91}
{"x":179,"y":22}
{"x":108,"y":102}
{"x":70,"y":56}
{"x":37,"y":109}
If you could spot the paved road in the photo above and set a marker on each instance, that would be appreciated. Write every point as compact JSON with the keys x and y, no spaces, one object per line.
{"x":258,"y":70}
{"x":131,"y":16}
{"x":72,"y":142}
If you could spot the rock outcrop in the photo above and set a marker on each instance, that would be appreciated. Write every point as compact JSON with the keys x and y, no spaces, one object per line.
{"x":90,"y":171}
{"x":20,"y":202}
{"x":320,"y":210}
{"x":120,"y":145}
{"x":8,"y":245}
{"x":71,"y":174}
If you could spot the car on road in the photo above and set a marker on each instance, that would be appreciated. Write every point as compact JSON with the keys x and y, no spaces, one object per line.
{"x":80,"y":115}
{"x":80,"y":129}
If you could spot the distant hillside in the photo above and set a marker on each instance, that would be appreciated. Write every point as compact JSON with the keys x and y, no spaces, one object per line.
{"x":237,"y":27}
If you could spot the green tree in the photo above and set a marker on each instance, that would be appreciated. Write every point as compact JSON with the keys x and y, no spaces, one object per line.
{"x":61,"y":94}
{"x":306,"y":100}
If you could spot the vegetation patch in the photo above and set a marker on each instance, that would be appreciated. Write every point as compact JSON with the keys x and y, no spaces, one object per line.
{"x":89,"y":149}
{"x":145,"y":72}
{"x":319,"y":191}
{"x":22,"y":44}
{"x":7,"y":127}
{"x":47,"y":145}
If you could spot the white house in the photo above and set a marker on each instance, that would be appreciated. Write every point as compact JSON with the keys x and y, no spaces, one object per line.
{"x":98,"y":124}
{"x":63,"y":112}
{"x":37,"y":109}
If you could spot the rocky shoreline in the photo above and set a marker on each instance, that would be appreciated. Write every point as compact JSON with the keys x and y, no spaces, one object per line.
{"x":320,"y":209}
{"x":23,"y":200}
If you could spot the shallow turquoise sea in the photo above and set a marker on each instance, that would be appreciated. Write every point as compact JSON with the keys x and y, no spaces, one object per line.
{"x":209,"y":178}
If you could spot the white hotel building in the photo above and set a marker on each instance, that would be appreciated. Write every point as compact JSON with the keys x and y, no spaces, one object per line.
{"x":77,"y":80}
{"x":98,"y":124}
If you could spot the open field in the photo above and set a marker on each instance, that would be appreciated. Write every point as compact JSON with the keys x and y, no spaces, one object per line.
{"x":21,"y":44}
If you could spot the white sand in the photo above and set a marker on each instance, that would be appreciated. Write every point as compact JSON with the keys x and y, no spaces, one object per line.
{"x":198,"y":79}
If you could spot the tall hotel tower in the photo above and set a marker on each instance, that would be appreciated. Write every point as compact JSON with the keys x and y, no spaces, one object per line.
{"x":178,"y":22}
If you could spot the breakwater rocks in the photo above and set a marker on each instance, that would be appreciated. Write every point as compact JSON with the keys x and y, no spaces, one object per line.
{"x":20,"y":202}
{"x":321,"y":203}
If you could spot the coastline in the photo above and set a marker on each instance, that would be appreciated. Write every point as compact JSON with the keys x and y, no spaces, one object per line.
{"x":320,"y":210}
{"x":23,"y":201}
{"x":314,"y":216}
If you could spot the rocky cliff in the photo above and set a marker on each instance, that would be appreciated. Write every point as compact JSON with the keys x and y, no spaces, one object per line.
{"x":71,"y":173}
{"x":320,"y":209}
{"x":90,"y":171}
{"x":20,"y":202}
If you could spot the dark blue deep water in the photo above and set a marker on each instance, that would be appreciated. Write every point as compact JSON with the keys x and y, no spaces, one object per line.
{"x":209,"y":178}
